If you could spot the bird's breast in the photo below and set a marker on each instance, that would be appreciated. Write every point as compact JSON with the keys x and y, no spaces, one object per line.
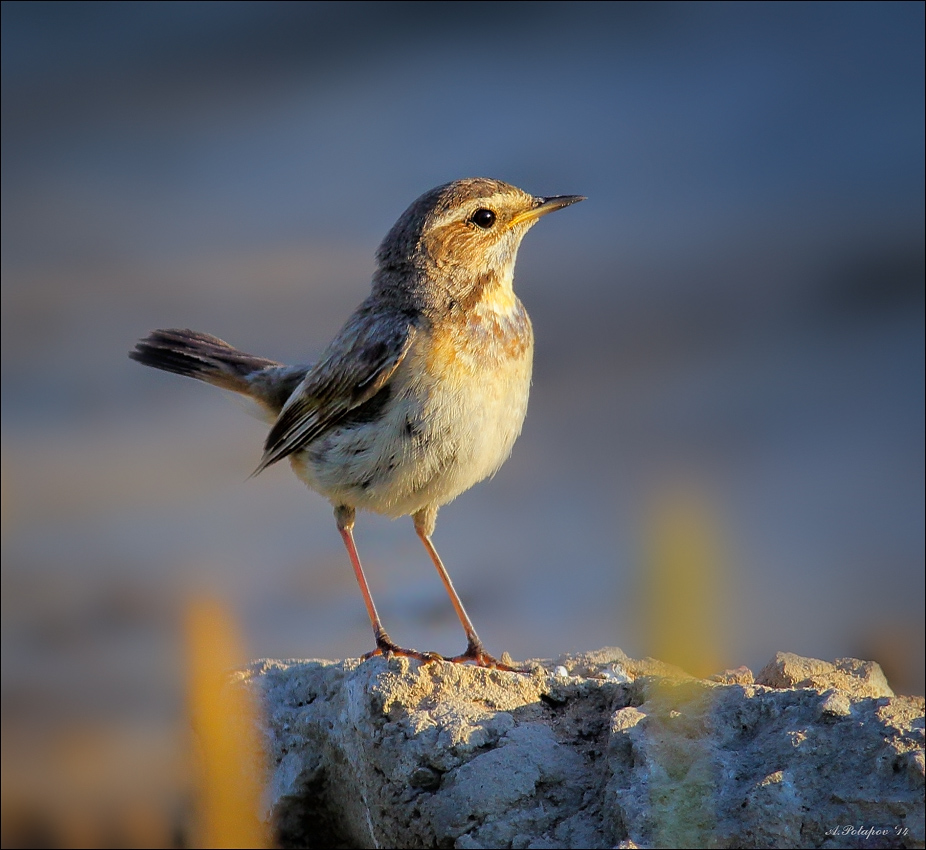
{"x":474,"y":389}
{"x":493,"y":340}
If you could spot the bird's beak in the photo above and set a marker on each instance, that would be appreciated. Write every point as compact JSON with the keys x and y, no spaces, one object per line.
{"x":542,"y":206}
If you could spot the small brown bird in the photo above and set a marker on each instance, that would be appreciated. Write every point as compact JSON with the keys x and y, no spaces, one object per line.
{"x":423,"y":392}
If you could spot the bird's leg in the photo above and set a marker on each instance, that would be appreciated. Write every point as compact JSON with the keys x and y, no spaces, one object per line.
{"x":384,"y":645}
{"x":475,"y":651}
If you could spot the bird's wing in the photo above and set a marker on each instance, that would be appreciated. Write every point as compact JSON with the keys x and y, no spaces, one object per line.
{"x":357,"y":364}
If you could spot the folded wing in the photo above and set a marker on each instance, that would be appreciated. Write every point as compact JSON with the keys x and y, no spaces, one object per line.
{"x":357,"y":364}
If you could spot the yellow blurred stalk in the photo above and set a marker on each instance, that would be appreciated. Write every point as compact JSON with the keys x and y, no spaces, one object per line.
{"x":684,"y":582}
{"x":225,"y":722}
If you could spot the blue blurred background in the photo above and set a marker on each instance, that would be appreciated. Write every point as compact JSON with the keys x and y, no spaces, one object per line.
{"x":735,"y":314}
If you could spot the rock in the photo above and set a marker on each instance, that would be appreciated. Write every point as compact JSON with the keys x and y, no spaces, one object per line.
{"x":595,"y":751}
{"x":736,"y":676}
{"x":862,"y":678}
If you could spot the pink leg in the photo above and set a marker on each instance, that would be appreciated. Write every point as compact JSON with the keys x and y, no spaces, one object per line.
{"x":384,"y":645}
{"x":475,"y":651}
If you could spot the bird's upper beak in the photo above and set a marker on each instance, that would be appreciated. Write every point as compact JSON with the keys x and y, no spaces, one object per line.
{"x":542,"y":206}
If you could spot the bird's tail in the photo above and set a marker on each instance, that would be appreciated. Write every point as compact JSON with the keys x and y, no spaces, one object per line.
{"x":201,"y":356}
{"x":210,"y":359}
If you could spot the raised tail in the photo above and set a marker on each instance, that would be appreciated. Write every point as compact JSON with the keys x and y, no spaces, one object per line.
{"x":210,"y":359}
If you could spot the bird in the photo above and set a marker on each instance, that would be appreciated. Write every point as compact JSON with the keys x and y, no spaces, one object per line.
{"x":422,"y":393}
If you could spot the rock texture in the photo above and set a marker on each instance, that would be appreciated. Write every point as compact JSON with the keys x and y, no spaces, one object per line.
{"x":597,"y":750}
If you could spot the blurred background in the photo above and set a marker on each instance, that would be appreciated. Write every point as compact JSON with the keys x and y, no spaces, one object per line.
{"x":724,"y":452}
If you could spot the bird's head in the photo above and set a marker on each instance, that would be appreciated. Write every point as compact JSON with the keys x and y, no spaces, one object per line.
{"x":461,"y":239}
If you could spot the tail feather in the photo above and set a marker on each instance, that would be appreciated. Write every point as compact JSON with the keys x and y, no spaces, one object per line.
{"x":210,"y":359}
{"x":201,"y":356}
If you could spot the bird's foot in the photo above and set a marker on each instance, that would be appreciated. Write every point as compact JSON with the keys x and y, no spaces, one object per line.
{"x":476,"y":654}
{"x":386,"y":648}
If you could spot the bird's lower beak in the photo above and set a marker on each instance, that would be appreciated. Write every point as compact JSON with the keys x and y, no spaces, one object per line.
{"x":542,"y":206}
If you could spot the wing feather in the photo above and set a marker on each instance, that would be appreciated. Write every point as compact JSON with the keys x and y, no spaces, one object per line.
{"x":357,"y":364}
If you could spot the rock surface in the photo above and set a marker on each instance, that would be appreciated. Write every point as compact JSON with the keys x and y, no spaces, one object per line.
{"x":595,"y":750}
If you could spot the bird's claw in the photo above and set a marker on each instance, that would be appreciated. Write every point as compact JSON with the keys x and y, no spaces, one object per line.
{"x":386,"y":648}
{"x":476,"y":654}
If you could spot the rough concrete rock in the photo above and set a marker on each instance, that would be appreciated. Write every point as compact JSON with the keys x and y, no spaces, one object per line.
{"x":862,"y":678}
{"x":597,"y":750}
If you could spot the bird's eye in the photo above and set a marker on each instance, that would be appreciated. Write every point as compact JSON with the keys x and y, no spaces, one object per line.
{"x":483,"y":218}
